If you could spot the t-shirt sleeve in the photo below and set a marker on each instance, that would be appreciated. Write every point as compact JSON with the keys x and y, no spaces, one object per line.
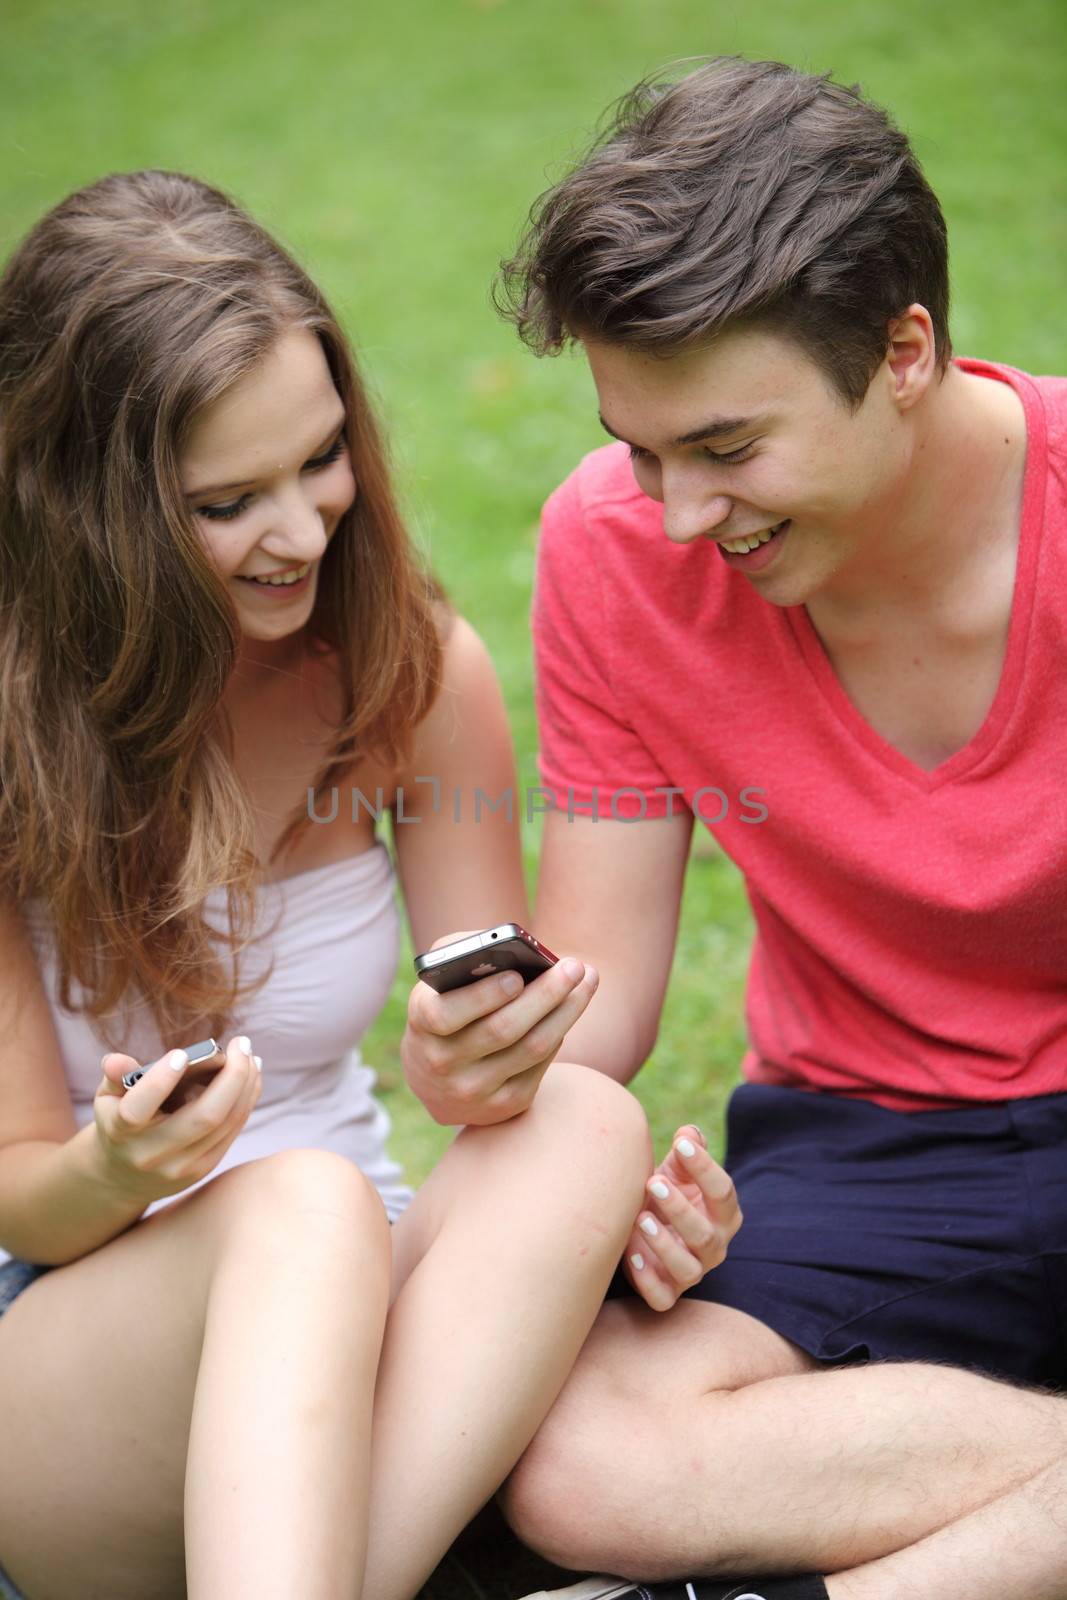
{"x":592,"y":761}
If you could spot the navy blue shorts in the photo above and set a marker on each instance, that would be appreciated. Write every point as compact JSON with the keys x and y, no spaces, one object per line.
{"x":874,"y":1235}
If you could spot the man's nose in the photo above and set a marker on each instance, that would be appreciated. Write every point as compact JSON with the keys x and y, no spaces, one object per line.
{"x":689,"y":510}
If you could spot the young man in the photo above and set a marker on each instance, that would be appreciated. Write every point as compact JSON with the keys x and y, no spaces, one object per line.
{"x":824,"y":609}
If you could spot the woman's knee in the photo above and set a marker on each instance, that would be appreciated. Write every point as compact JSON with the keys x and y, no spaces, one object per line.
{"x":584,"y":1093}
{"x":599,"y":1119}
{"x":295,"y":1198}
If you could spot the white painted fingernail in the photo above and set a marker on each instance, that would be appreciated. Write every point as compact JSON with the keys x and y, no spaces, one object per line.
{"x":177,"y":1060}
{"x":659,"y":1189}
{"x":648,"y":1226}
{"x":259,"y":1063}
{"x":687,"y":1147}
{"x":637,"y":1262}
{"x":244,"y":1043}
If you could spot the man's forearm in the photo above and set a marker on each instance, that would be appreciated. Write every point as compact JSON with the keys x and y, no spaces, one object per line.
{"x":606,"y":1037}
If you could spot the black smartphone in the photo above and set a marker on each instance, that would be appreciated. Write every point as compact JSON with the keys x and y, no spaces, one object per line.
{"x":505,"y":948}
{"x":205,"y":1059}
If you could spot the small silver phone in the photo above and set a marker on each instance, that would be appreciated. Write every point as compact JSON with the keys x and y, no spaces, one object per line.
{"x":205,"y":1059}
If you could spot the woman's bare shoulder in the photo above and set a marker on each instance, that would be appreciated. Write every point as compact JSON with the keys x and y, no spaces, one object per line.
{"x":468,"y":688}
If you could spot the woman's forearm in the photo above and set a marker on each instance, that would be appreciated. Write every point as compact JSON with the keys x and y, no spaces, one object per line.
{"x":58,"y":1201}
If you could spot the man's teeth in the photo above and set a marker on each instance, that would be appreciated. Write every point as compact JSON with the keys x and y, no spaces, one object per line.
{"x":285,"y":578}
{"x":738,"y":547}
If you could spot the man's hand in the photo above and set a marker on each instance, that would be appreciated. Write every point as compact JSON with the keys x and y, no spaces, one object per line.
{"x":691,"y":1217}
{"x":477,"y":1055}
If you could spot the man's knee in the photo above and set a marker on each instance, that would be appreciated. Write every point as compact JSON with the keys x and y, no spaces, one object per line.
{"x":567,"y":1497}
{"x":620,"y":1498}
{"x":602,"y":1479}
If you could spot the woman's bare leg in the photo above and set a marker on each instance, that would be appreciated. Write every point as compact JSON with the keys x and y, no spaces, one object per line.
{"x":502,"y":1263}
{"x":275,"y":1273}
{"x":241,"y":1328}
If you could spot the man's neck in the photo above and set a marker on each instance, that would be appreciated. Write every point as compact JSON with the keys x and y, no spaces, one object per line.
{"x":956,"y":513}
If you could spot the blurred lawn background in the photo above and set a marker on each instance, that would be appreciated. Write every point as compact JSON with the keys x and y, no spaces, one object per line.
{"x":396,"y":148}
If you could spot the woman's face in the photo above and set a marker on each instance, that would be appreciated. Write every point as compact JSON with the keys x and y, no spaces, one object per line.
{"x":265,"y":471}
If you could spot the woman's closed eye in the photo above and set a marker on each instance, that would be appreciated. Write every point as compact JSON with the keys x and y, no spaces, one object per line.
{"x":233,"y":508}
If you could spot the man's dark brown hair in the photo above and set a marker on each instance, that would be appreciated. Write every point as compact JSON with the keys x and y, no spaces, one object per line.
{"x":746,"y":193}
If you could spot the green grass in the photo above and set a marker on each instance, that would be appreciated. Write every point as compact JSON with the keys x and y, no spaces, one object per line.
{"x":396,"y":148}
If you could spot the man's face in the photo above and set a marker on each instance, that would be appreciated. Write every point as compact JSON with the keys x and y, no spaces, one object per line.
{"x":746,"y":435}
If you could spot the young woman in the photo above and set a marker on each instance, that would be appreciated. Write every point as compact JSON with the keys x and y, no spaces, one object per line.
{"x":221,"y":1372}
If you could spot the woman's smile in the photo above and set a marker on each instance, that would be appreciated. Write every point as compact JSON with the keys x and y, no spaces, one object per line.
{"x":289,"y":581}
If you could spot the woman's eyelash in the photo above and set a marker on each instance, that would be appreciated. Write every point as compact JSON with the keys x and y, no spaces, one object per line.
{"x":224,"y":513}
{"x":328,"y":455}
{"x":637,"y":454}
{"x":227,"y":513}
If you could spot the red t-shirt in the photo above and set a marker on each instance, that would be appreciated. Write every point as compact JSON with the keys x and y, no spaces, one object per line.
{"x":911,"y":926}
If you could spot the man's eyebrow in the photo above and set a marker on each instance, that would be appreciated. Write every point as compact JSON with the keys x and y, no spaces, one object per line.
{"x":228,"y":488}
{"x":717,"y":428}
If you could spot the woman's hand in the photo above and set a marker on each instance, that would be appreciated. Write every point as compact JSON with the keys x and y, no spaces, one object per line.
{"x":477,"y":1055}
{"x":148,"y":1153}
{"x":692,"y":1214}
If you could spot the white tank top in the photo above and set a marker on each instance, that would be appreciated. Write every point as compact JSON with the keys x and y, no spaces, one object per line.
{"x":335,"y":953}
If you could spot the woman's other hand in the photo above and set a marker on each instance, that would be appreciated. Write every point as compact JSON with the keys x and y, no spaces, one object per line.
{"x":684,"y":1230}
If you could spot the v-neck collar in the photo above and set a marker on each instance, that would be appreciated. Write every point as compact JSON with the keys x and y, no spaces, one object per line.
{"x":1031,"y":521}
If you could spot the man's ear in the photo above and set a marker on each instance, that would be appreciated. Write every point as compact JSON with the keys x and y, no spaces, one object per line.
{"x":911,"y":356}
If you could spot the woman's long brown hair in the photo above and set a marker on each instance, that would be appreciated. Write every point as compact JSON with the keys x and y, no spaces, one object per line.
{"x":132,"y":305}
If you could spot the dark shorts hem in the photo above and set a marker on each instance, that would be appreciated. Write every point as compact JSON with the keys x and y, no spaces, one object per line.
{"x":779,"y":1317}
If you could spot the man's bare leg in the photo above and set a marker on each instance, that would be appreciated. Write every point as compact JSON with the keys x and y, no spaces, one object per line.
{"x":704,"y":1443}
{"x":1016,"y":1545}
